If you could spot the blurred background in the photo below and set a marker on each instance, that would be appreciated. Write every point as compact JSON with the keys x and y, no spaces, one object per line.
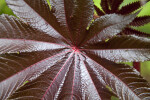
{"x":145,"y":66}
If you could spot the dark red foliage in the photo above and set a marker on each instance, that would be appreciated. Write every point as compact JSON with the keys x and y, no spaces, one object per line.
{"x":61,"y":53}
{"x":127,"y":9}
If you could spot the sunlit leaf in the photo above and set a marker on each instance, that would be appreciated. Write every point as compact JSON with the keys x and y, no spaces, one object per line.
{"x":59,"y":52}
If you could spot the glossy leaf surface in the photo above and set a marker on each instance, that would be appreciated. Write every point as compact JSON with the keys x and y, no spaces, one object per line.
{"x":122,"y":49}
{"x":114,"y":7}
{"x":102,"y":27}
{"x":60,"y":53}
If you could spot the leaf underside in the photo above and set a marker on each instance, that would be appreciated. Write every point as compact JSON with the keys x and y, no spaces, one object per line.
{"x":60,"y":53}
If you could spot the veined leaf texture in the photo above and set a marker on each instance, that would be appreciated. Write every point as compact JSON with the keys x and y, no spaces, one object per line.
{"x":60,"y":52}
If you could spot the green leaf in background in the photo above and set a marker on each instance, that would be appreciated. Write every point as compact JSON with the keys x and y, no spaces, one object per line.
{"x":4,"y":8}
{"x":145,"y":70}
{"x":145,"y":11}
{"x":114,"y":98}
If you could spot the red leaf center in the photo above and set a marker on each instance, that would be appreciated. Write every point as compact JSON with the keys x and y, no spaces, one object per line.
{"x":75,"y":49}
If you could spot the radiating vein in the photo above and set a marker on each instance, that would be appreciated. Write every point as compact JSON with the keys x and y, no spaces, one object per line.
{"x":30,"y":12}
{"x":27,"y":73}
{"x":62,"y":68}
{"x":21,"y":45}
{"x":107,"y":69}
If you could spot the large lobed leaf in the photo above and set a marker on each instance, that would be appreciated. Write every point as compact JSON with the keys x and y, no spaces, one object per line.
{"x":63,"y":57}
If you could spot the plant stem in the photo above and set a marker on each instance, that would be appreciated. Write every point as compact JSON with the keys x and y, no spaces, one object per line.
{"x":136,"y":65}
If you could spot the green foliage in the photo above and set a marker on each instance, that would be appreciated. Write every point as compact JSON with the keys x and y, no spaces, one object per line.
{"x":4,"y":8}
{"x":114,"y":98}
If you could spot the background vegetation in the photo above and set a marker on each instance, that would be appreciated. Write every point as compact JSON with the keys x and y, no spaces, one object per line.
{"x":145,"y":66}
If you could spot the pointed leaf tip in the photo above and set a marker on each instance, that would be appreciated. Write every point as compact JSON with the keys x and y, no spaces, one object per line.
{"x":108,"y":26}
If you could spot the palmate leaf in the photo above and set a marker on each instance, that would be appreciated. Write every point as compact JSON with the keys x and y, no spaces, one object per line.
{"x":56,"y":50}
